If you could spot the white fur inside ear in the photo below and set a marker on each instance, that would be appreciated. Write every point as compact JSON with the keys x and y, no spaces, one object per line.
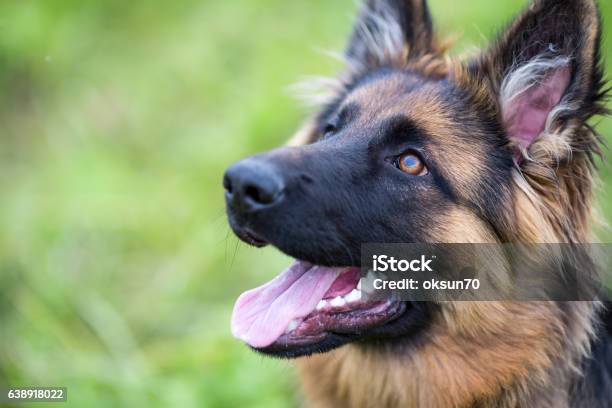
{"x":531,"y":94}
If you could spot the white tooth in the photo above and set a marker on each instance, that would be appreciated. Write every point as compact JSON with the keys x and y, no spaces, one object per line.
{"x":321,"y":305}
{"x":354,"y":296}
{"x":292,"y":325}
{"x":338,"y":301}
{"x":369,"y":282}
{"x":359,"y":285}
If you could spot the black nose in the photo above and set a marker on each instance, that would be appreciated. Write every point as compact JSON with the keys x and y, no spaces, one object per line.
{"x":252,"y":184}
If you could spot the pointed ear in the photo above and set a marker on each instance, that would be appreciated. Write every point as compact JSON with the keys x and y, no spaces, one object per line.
{"x":544,"y":69}
{"x":390,"y":31}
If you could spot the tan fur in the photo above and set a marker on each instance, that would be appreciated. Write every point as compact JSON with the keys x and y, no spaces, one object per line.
{"x":458,"y":364}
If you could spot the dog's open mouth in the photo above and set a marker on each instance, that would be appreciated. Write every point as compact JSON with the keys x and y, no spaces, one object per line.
{"x":309,"y":308}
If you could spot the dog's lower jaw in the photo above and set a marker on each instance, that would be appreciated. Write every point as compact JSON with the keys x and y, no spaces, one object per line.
{"x":443,"y":372}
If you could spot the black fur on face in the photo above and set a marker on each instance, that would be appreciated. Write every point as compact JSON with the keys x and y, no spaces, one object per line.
{"x":347,"y":188}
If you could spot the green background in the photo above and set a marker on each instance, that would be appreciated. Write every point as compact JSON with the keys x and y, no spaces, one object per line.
{"x":117,"y":268}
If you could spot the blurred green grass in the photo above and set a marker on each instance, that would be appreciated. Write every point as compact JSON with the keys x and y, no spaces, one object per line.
{"x":117,"y":119}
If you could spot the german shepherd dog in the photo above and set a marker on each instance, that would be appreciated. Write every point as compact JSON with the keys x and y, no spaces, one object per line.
{"x":416,"y":146}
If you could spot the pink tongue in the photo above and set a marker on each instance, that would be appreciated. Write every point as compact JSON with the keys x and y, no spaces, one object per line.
{"x":261,"y":315}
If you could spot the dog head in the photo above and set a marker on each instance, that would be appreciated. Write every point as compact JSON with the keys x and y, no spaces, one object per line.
{"x":414,"y":146}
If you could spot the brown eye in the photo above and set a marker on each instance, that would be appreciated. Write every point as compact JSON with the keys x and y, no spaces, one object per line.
{"x":410,"y":163}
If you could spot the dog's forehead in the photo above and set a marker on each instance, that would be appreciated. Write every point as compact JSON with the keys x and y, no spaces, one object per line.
{"x":384,"y":87}
{"x":398,"y":94}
